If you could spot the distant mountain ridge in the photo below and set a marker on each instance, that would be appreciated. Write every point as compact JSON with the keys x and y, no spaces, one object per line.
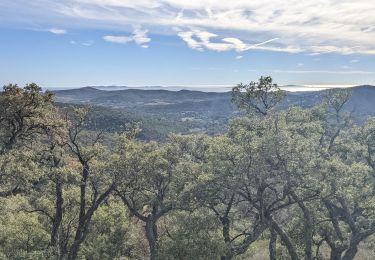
{"x":206,"y":88}
{"x":362,"y":100}
{"x":202,"y":88}
{"x":195,"y":111}
{"x":144,"y":99}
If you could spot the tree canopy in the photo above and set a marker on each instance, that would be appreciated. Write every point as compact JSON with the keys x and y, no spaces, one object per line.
{"x":281,"y":184}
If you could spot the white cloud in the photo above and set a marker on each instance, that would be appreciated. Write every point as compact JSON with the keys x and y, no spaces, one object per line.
{"x":316,"y":27}
{"x":334,"y":49}
{"x":200,"y":40}
{"x":239,"y":57}
{"x":236,"y":43}
{"x":118,"y":39}
{"x":191,"y":42}
{"x":87,"y":43}
{"x":354,"y":61}
{"x":359,"y":72}
{"x":139,"y":36}
{"x":57,"y":31}
{"x":314,"y":54}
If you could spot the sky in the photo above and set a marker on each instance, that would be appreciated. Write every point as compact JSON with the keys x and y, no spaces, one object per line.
{"x":76,"y":43}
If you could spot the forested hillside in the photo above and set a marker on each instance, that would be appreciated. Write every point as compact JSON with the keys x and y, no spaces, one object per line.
{"x":185,"y":111}
{"x":278,"y":182}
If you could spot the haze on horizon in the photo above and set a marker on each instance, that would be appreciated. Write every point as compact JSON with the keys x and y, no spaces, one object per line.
{"x":77,"y":43}
{"x":204,"y":88}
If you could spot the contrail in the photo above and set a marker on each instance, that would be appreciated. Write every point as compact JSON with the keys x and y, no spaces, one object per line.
{"x":262,"y":43}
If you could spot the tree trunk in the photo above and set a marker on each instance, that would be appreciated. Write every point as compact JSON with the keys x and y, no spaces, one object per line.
{"x":84,"y":223}
{"x":83,"y":219}
{"x":10,"y":143}
{"x":352,"y":249}
{"x":74,"y":250}
{"x":308,"y":227}
{"x":228,"y":256}
{"x":336,"y":250}
{"x":272,"y":244}
{"x":152,"y":236}
{"x":78,"y":239}
{"x":335,"y":254}
{"x":286,"y":240}
{"x":350,"y":253}
{"x":226,"y":227}
{"x":85,"y":175}
{"x":58,"y":217}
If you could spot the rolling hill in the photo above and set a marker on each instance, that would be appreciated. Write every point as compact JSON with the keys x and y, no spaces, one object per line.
{"x":187,"y":111}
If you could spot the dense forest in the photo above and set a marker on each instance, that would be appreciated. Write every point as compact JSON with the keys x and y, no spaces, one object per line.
{"x":292,"y":183}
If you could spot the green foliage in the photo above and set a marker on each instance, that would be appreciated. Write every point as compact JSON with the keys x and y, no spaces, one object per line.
{"x":300,"y":179}
{"x":110,"y":234}
{"x":192,"y":236}
{"x":257,"y":97}
{"x":23,"y":235}
{"x":23,"y":114}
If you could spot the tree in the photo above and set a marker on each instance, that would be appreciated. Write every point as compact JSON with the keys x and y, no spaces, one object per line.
{"x":299,"y":180}
{"x":191,"y":235}
{"x":111,"y":234}
{"x":152,"y":183}
{"x":217,"y":162}
{"x":349,"y":204}
{"x":26,"y":114}
{"x":96,"y":181}
{"x":257,"y":97}
{"x":277,"y":171}
{"x":53,"y":162}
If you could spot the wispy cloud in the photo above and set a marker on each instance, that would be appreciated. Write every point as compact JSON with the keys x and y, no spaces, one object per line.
{"x":86,"y":43}
{"x":316,"y":27}
{"x":239,"y":57}
{"x":200,"y":40}
{"x":58,"y":31}
{"x":117,"y":39}
{"x":334,"y":49}
{"x":360,"y":72}
{"x":139,"y":37}
{"x":338,"y":72}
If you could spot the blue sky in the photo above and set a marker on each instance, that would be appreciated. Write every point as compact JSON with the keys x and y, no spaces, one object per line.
{"x":74,"y":43}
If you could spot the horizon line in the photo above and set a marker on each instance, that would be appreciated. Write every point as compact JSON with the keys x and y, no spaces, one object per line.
{"x":208,"y":88}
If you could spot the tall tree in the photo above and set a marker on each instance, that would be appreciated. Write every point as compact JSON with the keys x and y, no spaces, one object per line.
{"x":96,"y":181}
{"x":277,"y":169}
{"x":257,"y":97}
{"x":26,"y":114}
{"x":216,"y":188}
{"x":152,"y":183}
